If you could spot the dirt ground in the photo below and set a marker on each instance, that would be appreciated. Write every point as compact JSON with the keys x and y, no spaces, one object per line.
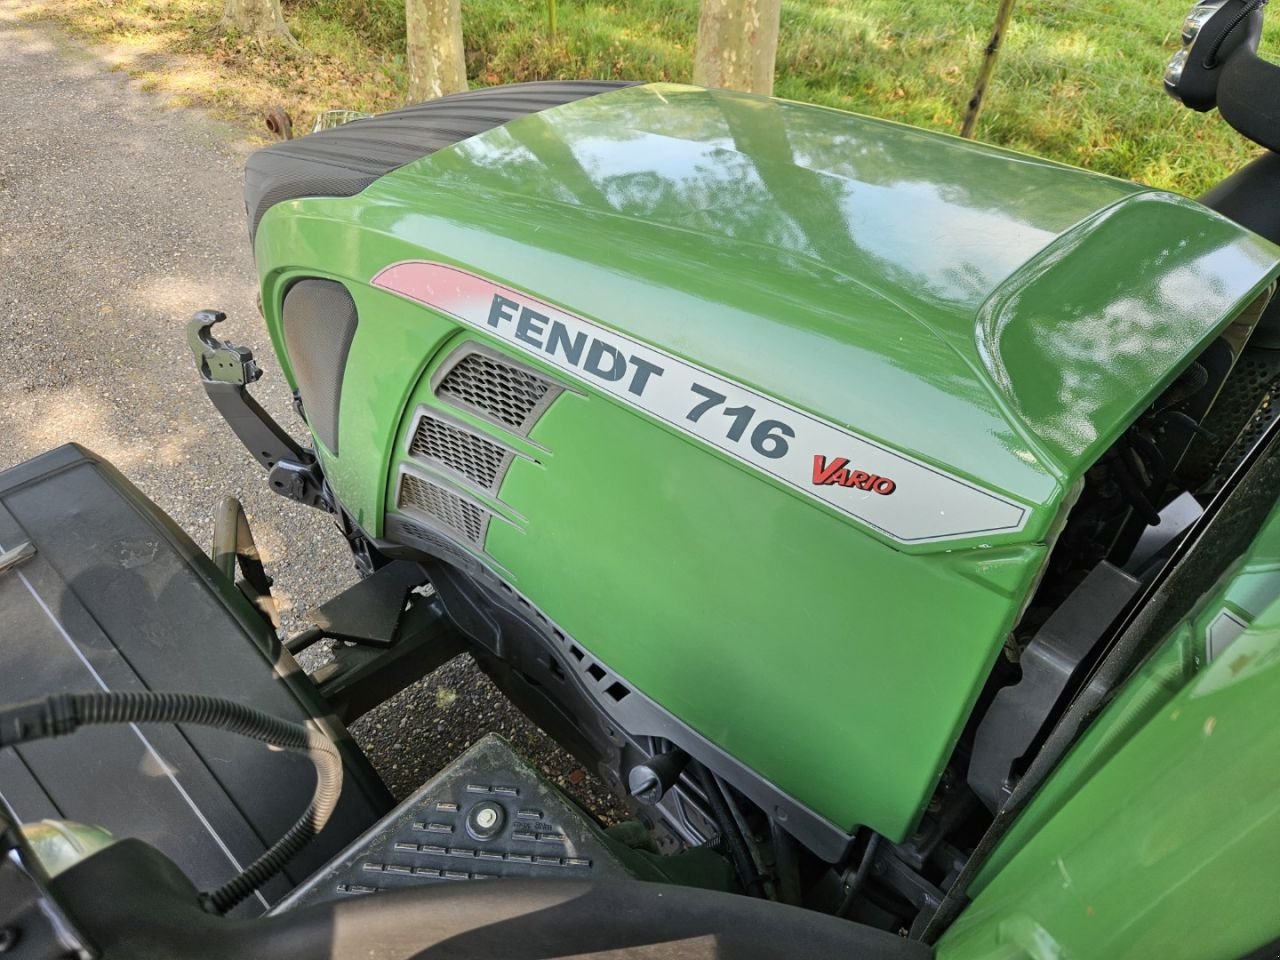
{"x":119,"y":218}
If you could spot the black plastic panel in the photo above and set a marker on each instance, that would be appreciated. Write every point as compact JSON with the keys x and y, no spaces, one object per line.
{"x":319,"y":325}
{"x":117,"y":597}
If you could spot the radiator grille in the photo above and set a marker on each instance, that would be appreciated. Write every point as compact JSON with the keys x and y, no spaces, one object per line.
{"x":1262,"y":380}
{"x":1239,"y":417}
{"x":465,"y":453}
{"x":445,"y":507}
{"x":501,"y":391}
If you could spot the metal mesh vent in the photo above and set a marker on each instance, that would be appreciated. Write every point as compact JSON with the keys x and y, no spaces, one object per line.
{"x":1244,"y":409}
{"x":1262,"y":376}
{"x":450,"y":510}
{"x":501,"y":391}
{"x":415,"y":531}
{"x":411,"y":528}
{"x":471,"y":456}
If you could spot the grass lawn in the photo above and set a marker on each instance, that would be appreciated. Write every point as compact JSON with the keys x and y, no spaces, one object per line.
{"x":1076,"y":82}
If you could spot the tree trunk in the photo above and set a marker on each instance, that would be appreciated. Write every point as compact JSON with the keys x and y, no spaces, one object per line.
{"x":256,"y":18}
{"x":437,"y":64}
{"x":737,"y":44}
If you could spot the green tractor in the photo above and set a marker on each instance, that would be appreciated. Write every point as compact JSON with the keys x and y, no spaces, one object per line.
{"x":890,"y":520}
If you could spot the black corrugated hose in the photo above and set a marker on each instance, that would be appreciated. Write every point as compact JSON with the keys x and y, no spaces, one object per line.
{"x":739,"y":856}
{"x":63,"y":713}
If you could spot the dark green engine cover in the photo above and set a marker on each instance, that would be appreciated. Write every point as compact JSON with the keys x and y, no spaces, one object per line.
{"x":774,"y":410}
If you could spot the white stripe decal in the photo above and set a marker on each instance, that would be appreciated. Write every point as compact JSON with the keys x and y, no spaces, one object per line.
{"x":164,"y":765}
{"x":905,"y":499}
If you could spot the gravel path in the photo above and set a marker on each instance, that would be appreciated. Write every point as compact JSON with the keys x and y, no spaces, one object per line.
{"x":119,"y":218}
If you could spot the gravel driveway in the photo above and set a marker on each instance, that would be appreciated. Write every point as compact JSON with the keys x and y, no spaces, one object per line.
{"x":120,"y":217}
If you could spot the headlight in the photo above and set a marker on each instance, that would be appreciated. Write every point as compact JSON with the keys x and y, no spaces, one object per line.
{"x":1173,"y":72}
{"x":1197,"y":18}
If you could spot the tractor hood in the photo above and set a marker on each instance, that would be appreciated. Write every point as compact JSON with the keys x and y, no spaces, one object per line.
{"x":809,"y":394}
{"x":994,"y":319}
{"x":990,"y":315}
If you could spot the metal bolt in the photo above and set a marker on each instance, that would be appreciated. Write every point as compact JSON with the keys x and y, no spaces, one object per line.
{"x":485,"y":820}
{"x":645,"y":785}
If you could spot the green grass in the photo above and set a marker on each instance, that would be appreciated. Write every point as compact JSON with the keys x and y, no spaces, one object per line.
{"x":1076,"y":82}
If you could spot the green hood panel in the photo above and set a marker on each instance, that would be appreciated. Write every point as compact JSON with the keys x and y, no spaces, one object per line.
{"x":989,"y":319}
{"x":926,"y":291}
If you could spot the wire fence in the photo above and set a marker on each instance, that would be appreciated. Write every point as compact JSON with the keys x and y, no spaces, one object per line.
{"x":1079,"y":83}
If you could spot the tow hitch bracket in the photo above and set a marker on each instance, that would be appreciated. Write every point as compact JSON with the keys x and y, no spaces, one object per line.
{"x":220,"y":361}
{"x":226,"y":370}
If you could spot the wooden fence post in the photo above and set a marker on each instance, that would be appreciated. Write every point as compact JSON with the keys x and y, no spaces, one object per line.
{"x":988,"y":68}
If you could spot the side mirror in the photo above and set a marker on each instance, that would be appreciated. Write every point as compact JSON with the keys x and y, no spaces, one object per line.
{"x":1214,"y":33}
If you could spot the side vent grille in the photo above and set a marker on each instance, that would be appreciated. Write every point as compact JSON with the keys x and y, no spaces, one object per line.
{"x":409,"y":528}
{"x":497,"y":390}
{"x":466,"y":454}
{"x":462,"y":517}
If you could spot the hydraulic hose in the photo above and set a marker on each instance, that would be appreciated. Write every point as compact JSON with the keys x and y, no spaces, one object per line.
{"x":738,"y":853}
{"x":744,"y":831}
{"x":64,"y":713}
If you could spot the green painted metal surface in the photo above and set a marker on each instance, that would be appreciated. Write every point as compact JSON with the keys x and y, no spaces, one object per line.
{"x":1159,"y":835}
{"x":995,"y":319}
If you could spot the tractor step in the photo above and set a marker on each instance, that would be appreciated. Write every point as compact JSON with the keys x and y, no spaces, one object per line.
{"x":486,"y":815}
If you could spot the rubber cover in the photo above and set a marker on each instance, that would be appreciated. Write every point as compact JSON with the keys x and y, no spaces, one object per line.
{"x":344,"y":160}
